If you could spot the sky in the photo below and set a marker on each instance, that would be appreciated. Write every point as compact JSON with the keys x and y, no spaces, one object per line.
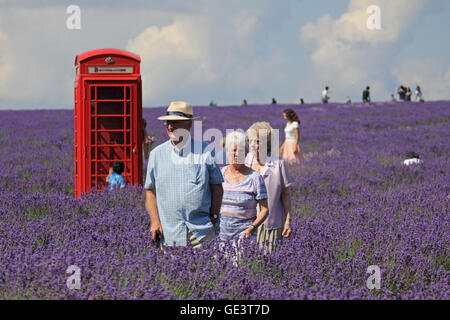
{"x":197,"y":50}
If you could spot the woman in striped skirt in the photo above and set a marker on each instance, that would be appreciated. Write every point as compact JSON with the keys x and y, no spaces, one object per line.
{"x":276,"y":178}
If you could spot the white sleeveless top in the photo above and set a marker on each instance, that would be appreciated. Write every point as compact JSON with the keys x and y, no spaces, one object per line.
{"x":289,"y":131}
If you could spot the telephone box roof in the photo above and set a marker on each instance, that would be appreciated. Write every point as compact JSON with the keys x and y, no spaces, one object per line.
{"x":107,"y":51}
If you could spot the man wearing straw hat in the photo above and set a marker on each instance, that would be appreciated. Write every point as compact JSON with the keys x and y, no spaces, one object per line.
{"x":183,"y":187}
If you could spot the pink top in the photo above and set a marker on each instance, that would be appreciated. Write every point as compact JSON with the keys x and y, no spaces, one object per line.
{"x":276,"y":177}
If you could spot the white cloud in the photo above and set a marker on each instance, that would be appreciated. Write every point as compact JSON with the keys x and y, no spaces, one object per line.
{"x":204,"y":55}
{"x":244,"y":26}
{"x":193,"y":50}
{"x":173,"y":56}
{"x":432,"y":78}
{"x":38,"y":74}
{"x":348,"y":55}
{"x":202,"y":49}
{"x":42,"y":50}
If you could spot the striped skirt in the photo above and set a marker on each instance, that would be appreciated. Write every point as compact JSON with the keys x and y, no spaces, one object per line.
{"x":233,"y":227}
{"x":269,"y":239}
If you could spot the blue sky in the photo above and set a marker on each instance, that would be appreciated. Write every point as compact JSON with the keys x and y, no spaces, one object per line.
{"x":197,"y":50}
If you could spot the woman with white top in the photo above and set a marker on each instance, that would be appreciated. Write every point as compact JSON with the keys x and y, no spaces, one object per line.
{"x":290,"y":149}
{"x":418,"y":95}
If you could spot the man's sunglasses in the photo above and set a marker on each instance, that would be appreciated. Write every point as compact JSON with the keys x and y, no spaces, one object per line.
{"x":173,"y":122}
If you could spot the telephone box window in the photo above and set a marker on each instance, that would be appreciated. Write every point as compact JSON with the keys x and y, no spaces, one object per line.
{"x":103,"y":168}
{"x":109,"y":93}
{"x":109,"y":138}
{"x":111,"y":153}
{"x":111,"y":108}
{"x":93,"y":107}
{"x":110,"y":123}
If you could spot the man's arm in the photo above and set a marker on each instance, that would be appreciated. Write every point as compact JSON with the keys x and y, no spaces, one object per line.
{"x":216,"y":201}
{"x":152,"y":209}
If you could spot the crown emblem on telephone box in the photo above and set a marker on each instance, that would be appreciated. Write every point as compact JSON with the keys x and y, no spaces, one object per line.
{"x":109,"y":60}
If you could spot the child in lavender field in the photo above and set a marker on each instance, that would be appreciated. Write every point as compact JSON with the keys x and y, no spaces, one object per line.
{"x":114,"y":177}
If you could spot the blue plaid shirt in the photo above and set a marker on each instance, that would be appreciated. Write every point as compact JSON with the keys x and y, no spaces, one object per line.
{"x":183,"y":194}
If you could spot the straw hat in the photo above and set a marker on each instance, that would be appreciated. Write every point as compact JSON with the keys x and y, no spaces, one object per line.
{"x":179,"y":110}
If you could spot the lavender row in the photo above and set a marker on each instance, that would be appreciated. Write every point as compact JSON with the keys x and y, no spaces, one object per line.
{"x":354,"y":205}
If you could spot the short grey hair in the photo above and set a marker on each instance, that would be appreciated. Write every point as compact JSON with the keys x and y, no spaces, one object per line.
{"x":263,"y":130}
{"x":239,"y":139}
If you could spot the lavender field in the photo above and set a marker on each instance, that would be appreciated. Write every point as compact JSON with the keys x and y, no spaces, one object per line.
{"x":354,"y":205}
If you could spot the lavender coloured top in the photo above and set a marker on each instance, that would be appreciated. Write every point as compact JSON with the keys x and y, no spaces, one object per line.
{"x":276,"y":177}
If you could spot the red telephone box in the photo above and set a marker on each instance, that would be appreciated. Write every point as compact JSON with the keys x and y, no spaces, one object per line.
{"x":107,"y":117}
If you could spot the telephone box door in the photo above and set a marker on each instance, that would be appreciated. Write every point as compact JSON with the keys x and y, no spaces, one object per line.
{"x":111,"y":130}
